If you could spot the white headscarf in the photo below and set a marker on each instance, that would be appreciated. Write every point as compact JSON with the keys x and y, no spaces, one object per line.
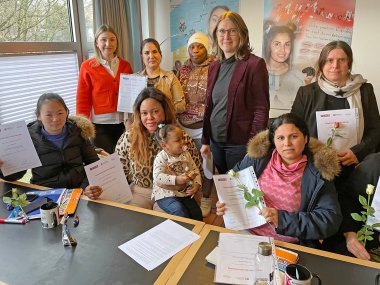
{"x":351,"y":92}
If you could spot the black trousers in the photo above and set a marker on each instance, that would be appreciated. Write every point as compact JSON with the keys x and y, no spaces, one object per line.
{"x":107,"y":136}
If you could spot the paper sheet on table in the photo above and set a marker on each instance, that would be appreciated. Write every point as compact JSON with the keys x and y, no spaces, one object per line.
{"x":208,"y":166}
{"x":236,"y":258}
{"x":16,"y":148}
{"x":158,"y":244}
{"x":346,"y":135}
{"x":237,"y":216}
{"x":130,"y":86}
{"x":108,"y":173}
{"x":376,"y":205}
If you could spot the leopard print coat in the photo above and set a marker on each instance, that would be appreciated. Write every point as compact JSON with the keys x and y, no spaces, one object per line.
{"x":142,"y":174}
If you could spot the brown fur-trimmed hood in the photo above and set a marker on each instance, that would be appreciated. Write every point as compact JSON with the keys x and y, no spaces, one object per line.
{"x":87,"y":127}
{"x":325,"y":158}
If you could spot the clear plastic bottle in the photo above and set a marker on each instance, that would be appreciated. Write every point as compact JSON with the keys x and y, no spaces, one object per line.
{"x":264,"y":264}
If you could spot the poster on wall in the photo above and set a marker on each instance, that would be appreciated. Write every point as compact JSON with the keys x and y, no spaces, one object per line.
{"x":294,"y":33}
{"x":190,"y":16}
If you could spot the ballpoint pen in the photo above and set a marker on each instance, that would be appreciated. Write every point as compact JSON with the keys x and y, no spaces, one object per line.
{"x":12,"y":221}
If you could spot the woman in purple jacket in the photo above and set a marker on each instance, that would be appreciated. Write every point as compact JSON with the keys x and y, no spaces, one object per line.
{"x":237,"y":104}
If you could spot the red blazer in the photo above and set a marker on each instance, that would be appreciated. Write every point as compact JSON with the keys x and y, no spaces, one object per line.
{"x":247,"y":102}
{"x":97,"y":88}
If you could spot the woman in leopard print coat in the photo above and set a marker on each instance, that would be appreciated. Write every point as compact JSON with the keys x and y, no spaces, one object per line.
{"x":137,"y":147}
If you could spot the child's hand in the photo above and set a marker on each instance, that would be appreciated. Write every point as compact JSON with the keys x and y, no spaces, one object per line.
{"x":194,"y":189}
{"x":181,"y":179}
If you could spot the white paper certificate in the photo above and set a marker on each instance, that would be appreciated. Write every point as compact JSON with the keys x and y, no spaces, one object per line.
{"x":130,"y":86}
{"x":376,"y":205}
{"x":108,"y":173}
{"x":237,"y":216}
{"x":236,"y":259}
{"x":158,"y":244}
{"x":16,"y":148}
{"x":345,"y":133}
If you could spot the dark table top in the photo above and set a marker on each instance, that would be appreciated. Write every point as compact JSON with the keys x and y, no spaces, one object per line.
{"x":330,"y":270}
{"x":30,"y":254}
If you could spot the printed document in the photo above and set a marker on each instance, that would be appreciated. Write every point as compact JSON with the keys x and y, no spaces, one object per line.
{"x":108,"y":173}
{"x":237,"y":216}
{"x":341,"y":126}
{"x":208,"y":166}
{"x":158,"y":244}
{"x":130,"y":86}
{"x":376,"y":205}
{"x":17,"y":149}
{"x":236,"y":258}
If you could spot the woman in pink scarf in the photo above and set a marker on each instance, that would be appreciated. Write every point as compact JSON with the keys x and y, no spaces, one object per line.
{"x":295,"y":173}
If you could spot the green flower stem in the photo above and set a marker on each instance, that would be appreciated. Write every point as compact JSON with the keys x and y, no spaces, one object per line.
{"x":365,"y":223}
{"x":245,"y":188}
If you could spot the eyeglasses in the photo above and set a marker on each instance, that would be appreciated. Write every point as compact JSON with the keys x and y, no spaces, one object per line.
{"x":230,"y":32}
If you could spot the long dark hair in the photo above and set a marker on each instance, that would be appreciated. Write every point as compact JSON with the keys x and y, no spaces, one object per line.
{"x":288,"y":118}
{"x":139,"y":135}
{"x":271,"y":32}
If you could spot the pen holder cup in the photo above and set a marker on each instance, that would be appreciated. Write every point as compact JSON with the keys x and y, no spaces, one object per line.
{"x":49,"y":215}
{"x":296,"y":274}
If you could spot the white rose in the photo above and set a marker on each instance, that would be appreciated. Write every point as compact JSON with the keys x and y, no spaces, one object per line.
{"x":370,"y":189}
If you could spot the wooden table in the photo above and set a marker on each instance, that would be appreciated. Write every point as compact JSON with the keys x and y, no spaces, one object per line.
{"x":32,"y":255}
{"x":332,"y":268}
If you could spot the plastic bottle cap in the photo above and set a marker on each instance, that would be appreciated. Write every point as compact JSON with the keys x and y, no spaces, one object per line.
{"x":265,"y":248}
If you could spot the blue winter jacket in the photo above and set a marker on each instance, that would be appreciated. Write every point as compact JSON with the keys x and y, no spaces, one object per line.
{"x":319,"y":216}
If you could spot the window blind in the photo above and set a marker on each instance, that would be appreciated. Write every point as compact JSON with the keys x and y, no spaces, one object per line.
{"x":23,"y":79}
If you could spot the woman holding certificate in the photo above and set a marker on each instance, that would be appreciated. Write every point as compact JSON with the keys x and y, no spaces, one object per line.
{"x":295,"y":173}
{"x":62,"y":144}
{"x":337,"y":88}
{"x":98,"y":87}
{"x":137,"y":147}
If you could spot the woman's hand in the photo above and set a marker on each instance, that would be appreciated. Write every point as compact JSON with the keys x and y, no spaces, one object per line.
{"x":220,"y":208}
{"x":347,"y":157}
{"x":355,"y":246}
{"x":206,"y":151}
{"x":93,"y":192}
{"x":270,"y":215}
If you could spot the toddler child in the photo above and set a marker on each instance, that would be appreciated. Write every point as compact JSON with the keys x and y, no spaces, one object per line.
{"x":174,"y":165}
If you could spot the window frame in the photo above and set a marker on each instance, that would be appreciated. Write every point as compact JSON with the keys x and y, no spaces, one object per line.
{"x":76,"y":17}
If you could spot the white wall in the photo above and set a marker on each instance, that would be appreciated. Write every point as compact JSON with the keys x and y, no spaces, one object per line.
{"x":365,"y":39}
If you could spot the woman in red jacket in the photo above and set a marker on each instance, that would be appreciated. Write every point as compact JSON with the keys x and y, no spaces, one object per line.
{"x":98,"y":88}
